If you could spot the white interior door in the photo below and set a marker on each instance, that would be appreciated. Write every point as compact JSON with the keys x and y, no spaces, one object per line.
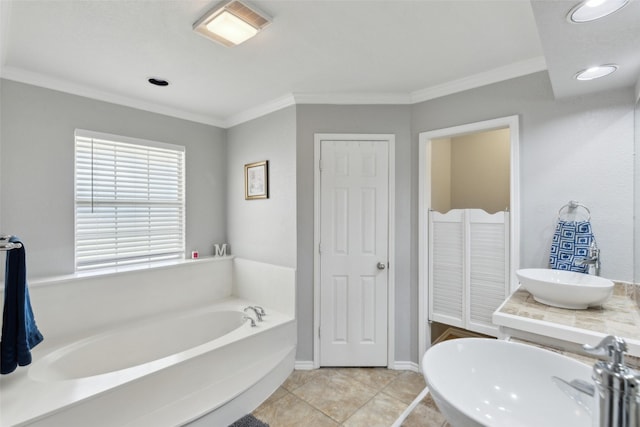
{"x":354,"y":213}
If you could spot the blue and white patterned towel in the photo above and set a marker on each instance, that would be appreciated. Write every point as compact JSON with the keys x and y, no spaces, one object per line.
{"x":570,"y":245}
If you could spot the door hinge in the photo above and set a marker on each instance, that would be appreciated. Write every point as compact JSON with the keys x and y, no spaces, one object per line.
{"x":320,"y":165}
{"x":319,"y":248}
{"x":318,"y":333}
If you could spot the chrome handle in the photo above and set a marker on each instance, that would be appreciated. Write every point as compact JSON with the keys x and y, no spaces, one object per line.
{"x":611,"y":348}
{"x":381,"y":266}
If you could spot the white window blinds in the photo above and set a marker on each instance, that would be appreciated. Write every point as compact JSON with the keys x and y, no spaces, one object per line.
{"x":129,"y":200}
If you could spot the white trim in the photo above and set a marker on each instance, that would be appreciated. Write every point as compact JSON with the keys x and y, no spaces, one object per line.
{"x":352,"y":98}
{"x":499,"y":74}
{"x":118,"y":271}
{"x":638,"y":90}
{"x":495,"y":75}
{"x":391,"y":140}
{"x":48,"y":82}
{"x":316,"y":252}
{"x":424,"y":197}
{"x":304,"y":365}
{"x":260,"y":110}
{"x":405,"y":366}
{"x":391,"y":302}
{"x":83,"y":133}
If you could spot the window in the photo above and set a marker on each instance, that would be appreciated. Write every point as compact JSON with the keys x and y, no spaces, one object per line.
{"x":129,"y":200}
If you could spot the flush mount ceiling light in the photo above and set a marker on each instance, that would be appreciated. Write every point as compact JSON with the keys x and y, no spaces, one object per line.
{"x":231,"y":23}
{"x":596,"y":72}
{"x":590,"y":10}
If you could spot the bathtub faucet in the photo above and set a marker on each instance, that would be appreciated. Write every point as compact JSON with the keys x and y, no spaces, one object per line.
{"x":256,"y":311}
{"x":253,"y":322}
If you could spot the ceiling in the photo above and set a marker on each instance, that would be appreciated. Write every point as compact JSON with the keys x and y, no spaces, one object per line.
{"x":314,"y":51}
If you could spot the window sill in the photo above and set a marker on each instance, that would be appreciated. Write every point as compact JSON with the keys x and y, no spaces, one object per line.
{"x":115,"y":271}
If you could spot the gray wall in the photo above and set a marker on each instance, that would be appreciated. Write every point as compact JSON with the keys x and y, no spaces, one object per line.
{"x":37,"y":164}
{"x":577,"y":148}
{"x":264,"y":229}
{"x":314,"y":119}
{"x":572,"y":149}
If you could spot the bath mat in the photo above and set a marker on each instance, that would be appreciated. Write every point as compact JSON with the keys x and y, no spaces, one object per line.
{"x":249,"y":421}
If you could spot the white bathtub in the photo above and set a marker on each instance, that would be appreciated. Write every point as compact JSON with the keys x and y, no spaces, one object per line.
{"x":201,"y":364}
{"x":154,"y":341}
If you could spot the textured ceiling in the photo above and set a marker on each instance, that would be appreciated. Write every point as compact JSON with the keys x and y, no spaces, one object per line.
{"x":569,"y":48}
{"x":399,"y":51}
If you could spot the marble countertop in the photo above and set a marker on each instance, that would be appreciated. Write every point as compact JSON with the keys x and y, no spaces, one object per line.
{"x":618,"y":316}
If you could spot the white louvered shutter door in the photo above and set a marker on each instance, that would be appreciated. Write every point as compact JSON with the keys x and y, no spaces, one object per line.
{"x":488,"y":267}
{"x":446,"y":267}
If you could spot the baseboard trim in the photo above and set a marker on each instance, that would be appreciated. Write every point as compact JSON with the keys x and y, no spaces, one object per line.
{"x":304,"y":365}
{"x":307,"y":365}
{"x":405,"y":366}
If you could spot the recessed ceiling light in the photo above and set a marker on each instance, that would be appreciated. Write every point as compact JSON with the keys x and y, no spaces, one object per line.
{"x":158,"y":82}
{"x":231,"y":23}
{"x":596,"y":72}
{"x":590,"y":10}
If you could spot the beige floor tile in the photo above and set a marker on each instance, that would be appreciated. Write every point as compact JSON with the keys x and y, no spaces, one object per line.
{"x":276,"y":395}
{"x":377,"y":378}
{"x":352,"y":396}
{"x":290,"y":411}
{"x":424,"y":415}
{"x":428,"y":400}
{"x":337,"y":395}
{"x":381,"y":411}
{"x":406,"y":386}
{"x":299,"y":378}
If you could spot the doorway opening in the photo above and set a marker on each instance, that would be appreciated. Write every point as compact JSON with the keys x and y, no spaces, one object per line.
{"x":470,"y":170}
{"x":441,"y":332}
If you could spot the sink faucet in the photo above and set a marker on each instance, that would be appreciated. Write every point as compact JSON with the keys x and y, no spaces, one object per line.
{"x":592,"y":260}
{"x":618,"y":385}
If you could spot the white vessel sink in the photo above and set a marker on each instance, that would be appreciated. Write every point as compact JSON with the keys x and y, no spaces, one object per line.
{"x":565,"y":289}
{"x":486,"y":382}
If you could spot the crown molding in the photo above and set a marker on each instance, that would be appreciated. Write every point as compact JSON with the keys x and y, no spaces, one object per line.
{"x":315,"y":98}
{"x":495,"y":75}
{"x":507,"y":72}
{"x":260,"y":110}
{"x":352,"y":98}
{"x":37,"y":79}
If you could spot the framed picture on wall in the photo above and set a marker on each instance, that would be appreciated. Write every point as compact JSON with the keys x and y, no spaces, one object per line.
{"x":256,"y":180}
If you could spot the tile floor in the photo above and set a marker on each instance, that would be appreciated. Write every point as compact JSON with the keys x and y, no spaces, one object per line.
{"x":350,"y":397}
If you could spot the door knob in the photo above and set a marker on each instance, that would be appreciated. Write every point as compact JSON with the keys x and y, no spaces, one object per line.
{"x":381,"y":266}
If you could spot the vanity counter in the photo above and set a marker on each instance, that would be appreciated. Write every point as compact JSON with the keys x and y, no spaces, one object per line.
{"x":521,"y":316}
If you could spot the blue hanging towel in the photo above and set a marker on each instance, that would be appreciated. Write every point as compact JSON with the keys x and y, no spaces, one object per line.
{"x":19,"y":331}
{"x":570,"y":245}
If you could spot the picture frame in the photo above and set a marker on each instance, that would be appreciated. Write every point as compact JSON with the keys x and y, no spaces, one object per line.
{"x":256,"y":180}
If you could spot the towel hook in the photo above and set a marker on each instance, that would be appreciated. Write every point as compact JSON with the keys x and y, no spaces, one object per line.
{"x":573,"y":205}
